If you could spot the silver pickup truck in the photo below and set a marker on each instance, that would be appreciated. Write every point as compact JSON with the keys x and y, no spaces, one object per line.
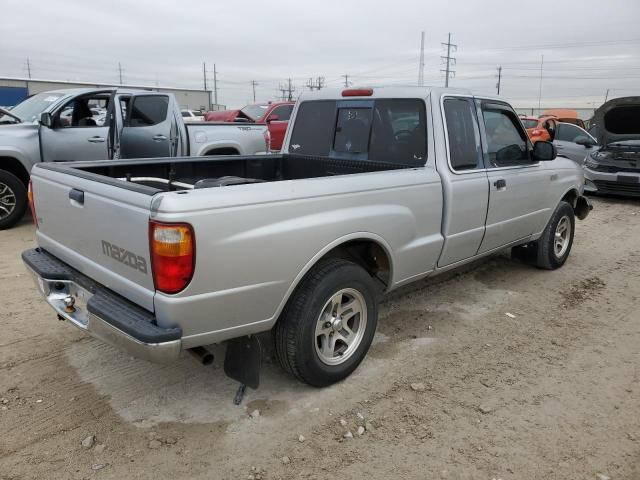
{"x":375,"y":188}
{"x":101,"y":124}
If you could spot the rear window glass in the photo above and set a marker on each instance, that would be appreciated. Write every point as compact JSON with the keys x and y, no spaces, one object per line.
{"x":352,"y":130}
{"x":313,"y":128}
{"x":148,"y":110}
{"x":392,"y":130}
{"x":399,"y":133}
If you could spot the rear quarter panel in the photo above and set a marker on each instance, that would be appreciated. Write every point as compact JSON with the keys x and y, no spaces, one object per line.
{"x":254,"y":242}
{"x":247,"y":139}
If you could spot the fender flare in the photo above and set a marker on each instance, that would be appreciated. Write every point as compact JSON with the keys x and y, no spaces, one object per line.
{"x":335,"y":243}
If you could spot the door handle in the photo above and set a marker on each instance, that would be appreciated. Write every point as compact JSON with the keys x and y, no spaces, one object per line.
{"x":159,"y":138}
{"x":76,"y":195}
{"x":501,"y":183}
{"x":96,"y":139}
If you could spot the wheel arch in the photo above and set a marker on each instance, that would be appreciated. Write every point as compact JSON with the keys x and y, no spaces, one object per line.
{"x":15,"y":167}
{"x":366,"y":249}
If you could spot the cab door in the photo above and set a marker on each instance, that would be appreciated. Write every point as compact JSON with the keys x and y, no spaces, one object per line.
{"x":466,"y":188}
{"x":517,"y":185}
{"x":149,"y":126}
{"x":75,"y":133}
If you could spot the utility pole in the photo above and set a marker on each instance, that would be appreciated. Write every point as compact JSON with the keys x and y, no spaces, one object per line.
{"x":540,"y":86}
{"x":316,"y":84}
{"x":449,"y":60}
{"x":253,"y":85}
{"x":605,"y":97}
{"x":499,"y":78}
{"x":346,"y":80}
{"x":204,"y":75}
{"x":287,"y":90}
{"x":290,"y":97}
{"x":120,"y":72}
{"x":28,"y":68}
{"x":421,"y":64}
{"x":215,"y":85}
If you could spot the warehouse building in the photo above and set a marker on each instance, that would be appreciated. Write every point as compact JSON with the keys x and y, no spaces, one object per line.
{"x":14,"y":90}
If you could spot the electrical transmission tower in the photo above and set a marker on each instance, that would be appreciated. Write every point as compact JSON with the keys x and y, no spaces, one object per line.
{"x":499,"y":78}
{"x":316,"y":84}
{"x":449,"y":60}
{"x":421,"y":66}
{"x":287,"y":90}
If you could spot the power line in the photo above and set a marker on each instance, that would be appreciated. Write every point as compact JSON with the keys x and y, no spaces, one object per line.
{"x":449,"y":60}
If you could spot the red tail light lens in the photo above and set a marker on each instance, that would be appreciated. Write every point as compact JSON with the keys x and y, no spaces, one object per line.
{"x":173,"y":254}
{"x":357,"y":92}
{"x":32,"y":205}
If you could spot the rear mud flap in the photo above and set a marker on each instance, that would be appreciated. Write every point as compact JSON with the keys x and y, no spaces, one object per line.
{"x":583,"y":207}
{"x":242,"y":363}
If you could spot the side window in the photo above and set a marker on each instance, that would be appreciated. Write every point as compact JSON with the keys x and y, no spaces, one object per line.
{"x":569,"y":133}
{"x":352,"y":130}
{"x":82,"y":112}
{"x":506,"y":141}
{"x":283,"y":112}
{"x":313,"y":128}
{"x":148,"y":110}
{"x":463,"y":134}
{"x":399,"y":133}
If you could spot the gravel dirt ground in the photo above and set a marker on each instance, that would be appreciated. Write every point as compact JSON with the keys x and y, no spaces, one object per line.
{"x":502,"y":371}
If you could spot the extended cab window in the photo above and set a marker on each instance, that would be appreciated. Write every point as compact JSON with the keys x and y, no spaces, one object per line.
{"x":148,"y":110}
{"x":462,"y":134}
{"x":506,"y":140}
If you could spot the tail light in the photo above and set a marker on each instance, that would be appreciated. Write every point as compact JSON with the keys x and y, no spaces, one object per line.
{"x":173,"y":254}
{"x":357,"y":92}
{"x":32,"y":205}
{"x":267,"y":140}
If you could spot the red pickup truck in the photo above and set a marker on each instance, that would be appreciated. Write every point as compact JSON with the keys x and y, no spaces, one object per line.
{"x":274,"y":114}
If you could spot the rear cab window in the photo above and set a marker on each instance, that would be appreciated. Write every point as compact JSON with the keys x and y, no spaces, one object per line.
{"x":385,"y":130}
{"x":463,"y":135}
{"x":148,"y":110}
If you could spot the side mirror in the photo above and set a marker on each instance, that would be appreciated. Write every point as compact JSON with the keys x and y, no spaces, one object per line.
{"x":273,"y":118}
{"x":46,"y":119}
{"x":584,"y":141}
{"x":544,"y":151}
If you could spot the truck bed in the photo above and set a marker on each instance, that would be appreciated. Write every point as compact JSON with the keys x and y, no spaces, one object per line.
{"x":156,"y":175}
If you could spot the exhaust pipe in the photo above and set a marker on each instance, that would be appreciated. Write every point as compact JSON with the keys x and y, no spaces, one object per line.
{"x":203,"y":355}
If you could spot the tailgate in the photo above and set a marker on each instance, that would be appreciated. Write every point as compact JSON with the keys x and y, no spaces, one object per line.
{"x":97,"y":228}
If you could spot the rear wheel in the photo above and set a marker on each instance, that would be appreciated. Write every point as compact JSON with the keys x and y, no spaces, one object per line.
{"x":13,"y":200}
{"x":328,"y":324}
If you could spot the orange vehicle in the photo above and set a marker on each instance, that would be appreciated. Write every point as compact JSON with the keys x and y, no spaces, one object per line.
{"x":543,"y":128}
{"x":564,"y":115}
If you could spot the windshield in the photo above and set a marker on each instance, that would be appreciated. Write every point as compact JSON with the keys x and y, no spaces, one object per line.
{"x":529,"y":123}
{"x":256,"y":112}
{"x":30,"y":109}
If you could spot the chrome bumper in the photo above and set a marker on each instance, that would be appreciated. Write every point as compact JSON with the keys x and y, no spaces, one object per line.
{"x":91,"y":307}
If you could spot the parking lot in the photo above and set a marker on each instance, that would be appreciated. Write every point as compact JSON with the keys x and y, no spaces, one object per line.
{"x":501,"y":371}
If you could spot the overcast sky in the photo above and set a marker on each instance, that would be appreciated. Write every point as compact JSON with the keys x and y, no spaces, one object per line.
{"x":589,"y":46}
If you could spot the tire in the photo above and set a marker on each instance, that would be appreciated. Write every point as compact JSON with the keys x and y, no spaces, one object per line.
{"x":13,"y":200}
{"x":310,"y":338}
{"x":549,"y":256}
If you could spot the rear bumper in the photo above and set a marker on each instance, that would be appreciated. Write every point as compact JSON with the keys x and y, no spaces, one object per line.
{"x":100,"y":312}
{"x":622,"y":183}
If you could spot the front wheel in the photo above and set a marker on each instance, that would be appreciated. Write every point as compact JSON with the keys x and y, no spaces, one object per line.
{"x":554,"y":245}
{"x":328,"y":324}
{"x":13,"y":200}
